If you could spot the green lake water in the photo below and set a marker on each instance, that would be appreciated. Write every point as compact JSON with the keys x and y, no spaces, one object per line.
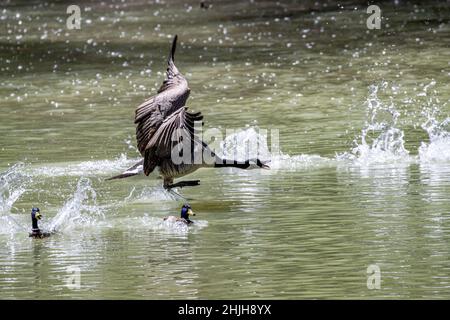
{"x":361,"y":176}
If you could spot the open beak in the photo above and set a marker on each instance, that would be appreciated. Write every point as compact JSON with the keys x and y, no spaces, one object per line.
{"x":38,"y":216}
{"x":190,"y":213}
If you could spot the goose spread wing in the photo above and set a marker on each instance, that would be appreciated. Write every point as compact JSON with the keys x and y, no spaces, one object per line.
{"x":179,"y":126}
{"x":171,"y":96}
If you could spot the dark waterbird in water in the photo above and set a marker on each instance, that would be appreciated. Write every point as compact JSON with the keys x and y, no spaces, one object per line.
{"x":35,"y":231}
{"x":161,"y":118}
{"x":186,"y":212}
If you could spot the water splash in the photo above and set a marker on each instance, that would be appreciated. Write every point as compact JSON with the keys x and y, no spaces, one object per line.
{"x":13,"y":183}
{"x":245,"y":144}
{"x":85,"y":168}
{"x":298,"y":162}
{"x":438,"y":149}
{"x":381,"y":141}
{"x":158,"y":224}
{"x":150,"y":194}
{"x":252,"y":143}
{"x":80,"y":210}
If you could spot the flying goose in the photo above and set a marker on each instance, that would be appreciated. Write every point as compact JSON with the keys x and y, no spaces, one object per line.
{"x":163,"y":117}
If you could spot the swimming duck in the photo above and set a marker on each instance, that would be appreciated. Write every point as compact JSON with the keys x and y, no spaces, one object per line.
{"x":186,"y":211}
{"x":35,"y":231}
{"x":161,"y":121}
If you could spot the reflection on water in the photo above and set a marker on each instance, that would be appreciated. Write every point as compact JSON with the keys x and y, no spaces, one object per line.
{"x":362,"y":175}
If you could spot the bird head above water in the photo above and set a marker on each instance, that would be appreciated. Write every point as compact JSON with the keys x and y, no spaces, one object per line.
{"x":35,"y":231}
{"x":35,"y":216}
{"x":186,"y":212}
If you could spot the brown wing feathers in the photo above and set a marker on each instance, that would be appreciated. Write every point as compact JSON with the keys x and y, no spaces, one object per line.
{"x":163,"y":140}
{"x":168,"y":135}
{"x":159,"y":117}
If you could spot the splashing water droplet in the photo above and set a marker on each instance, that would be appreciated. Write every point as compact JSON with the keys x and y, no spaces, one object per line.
{"x":381,"y":141}
{"x":81,"y":209}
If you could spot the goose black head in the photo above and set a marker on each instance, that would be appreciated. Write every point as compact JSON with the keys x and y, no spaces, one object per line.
{"x":186,"y":211}
{"x":35,"y":216}
{"x":262,"y":164}
{"x":35,"y":231}
{"x":257,"y":163}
